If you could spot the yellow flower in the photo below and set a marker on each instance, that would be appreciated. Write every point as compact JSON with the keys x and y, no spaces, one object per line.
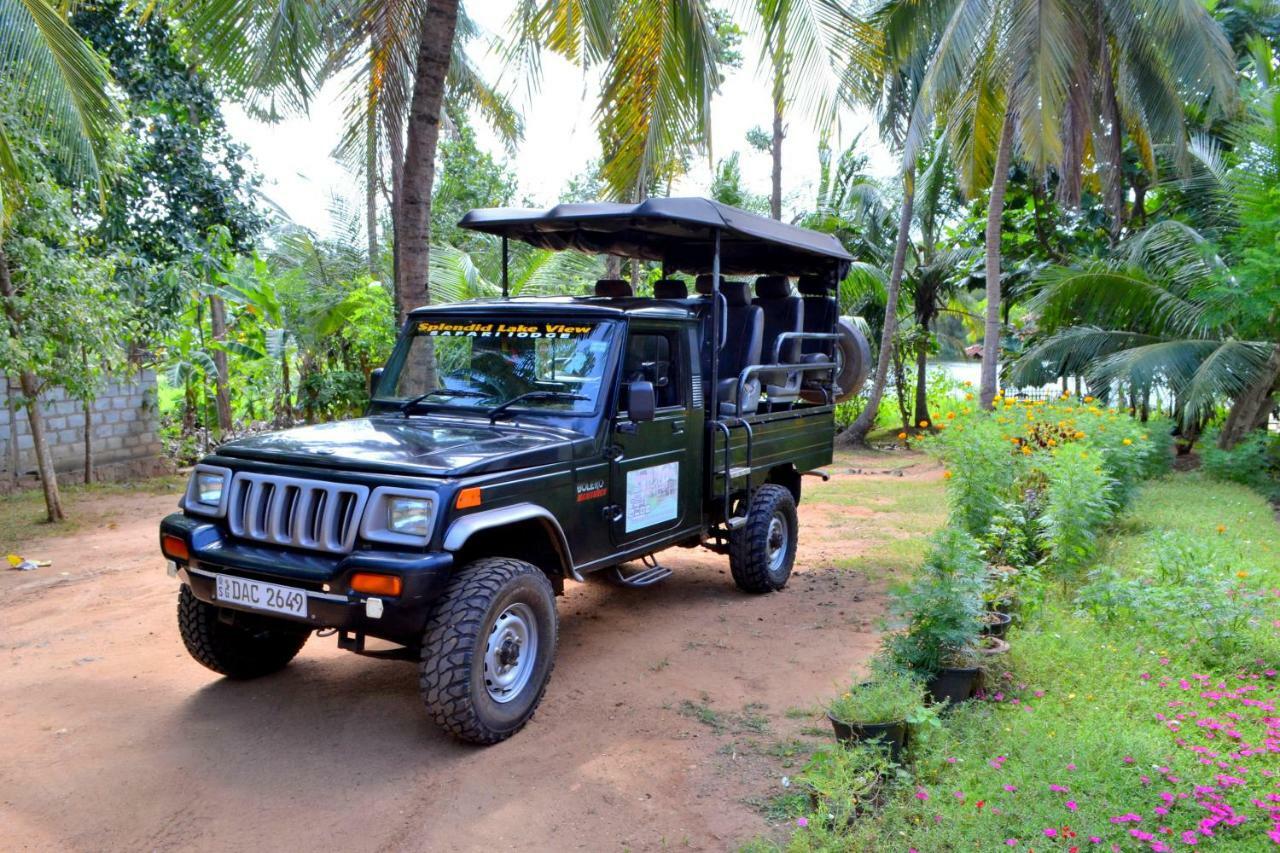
{"x":968,"y":396}
{"x":951,"y":416}
{"x":902,"y":436}
{"x":1088,"y":399}
{"x":1053,"y":443}
{"x":1242,"y":574}
{"x":924,"y":425}
{"x":946,"y":475}
{"x":1127,"y":442}
{"x":1222,"y":528}
{"x":1079,"y":434}
{"x":1026,"y":450}
{"x":968,"y":384}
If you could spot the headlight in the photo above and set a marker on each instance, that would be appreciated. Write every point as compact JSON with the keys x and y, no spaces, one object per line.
{"x":209,"y":487}
{"x":207,"y":490}
{"x":409,"y":516}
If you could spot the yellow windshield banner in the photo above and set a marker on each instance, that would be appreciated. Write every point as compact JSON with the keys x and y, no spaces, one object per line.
{"x":490,"y":329}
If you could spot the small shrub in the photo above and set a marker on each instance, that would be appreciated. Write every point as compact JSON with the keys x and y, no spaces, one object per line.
{"x":1254,"y":462}
{"x":1076,"y":512}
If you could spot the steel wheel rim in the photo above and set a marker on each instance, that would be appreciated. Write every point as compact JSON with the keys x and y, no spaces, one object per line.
{"x":777,"y":541}
{"x":511,"y":653}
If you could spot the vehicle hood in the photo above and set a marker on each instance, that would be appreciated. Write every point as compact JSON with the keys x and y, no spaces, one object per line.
{"x":416,"y":446}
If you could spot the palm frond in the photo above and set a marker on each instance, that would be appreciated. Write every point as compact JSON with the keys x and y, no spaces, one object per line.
{"x":52,"y":81}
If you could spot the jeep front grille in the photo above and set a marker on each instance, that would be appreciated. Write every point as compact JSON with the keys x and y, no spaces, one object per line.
{"x":307,"y":514}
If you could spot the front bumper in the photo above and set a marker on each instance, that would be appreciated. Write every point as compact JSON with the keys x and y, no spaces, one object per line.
{"x":326,"y":579}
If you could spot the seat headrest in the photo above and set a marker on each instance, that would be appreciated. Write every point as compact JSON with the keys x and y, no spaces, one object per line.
{"x":702,"y":284}
{"x":670,"y":288}
{"x":773,"y":287}
{"x":814,"y":285}
{"x":613,"y":287}
{"x":736,"y":293}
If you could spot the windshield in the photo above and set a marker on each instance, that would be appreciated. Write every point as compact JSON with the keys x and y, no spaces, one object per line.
{"x":554,"y":365}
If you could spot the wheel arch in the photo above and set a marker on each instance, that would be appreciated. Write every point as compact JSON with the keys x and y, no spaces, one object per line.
{"x":490,"y":533}
{"x":788,"y":477}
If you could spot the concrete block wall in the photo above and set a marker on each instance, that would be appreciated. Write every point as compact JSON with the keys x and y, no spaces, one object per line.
{"x":125,"y":438}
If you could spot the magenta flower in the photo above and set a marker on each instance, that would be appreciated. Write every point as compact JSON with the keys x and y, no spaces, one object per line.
{"x":922,"y":795}
{"x":1011,"y":788}
{"x":802,"y":821}
{"x":1071,"y":805}
{"x":1058,"y":789}
{"x":1012,"y":842}
{"x":1050,"y":832}
{"x":1071,"y":767}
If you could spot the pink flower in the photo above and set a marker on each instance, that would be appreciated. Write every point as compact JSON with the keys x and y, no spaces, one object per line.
{"x":1051,"y":833}
{"x":1071,"y":767}
{"x":1011,"y":788}
{"x":1058,"y":789}
{"x":959,"y":795}
{"x":1012,"y":842}
{"x":1071,"y":805}
{"x":802,"y":821}
{"x":922,"y":794}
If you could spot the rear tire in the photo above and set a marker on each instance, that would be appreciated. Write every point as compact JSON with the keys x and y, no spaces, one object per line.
{"x":488,"y":650}
{"x":249,"y":647}
{"x":762,"y":551}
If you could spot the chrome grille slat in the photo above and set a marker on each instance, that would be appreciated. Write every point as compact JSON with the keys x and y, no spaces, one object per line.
{"x":310,"y":514}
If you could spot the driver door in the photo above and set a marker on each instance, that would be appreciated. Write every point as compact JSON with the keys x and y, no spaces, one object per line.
{"x":651,"y":459}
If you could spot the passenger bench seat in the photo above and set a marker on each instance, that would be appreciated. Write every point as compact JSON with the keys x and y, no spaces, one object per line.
{"x":783,"y":313}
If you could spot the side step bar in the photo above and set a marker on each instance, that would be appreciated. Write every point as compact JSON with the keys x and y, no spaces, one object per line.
{"x":648,"y":576}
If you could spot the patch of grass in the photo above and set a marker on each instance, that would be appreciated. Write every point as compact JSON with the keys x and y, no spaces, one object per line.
{"x":22,"y":514}
{"x":780,"y":807}
{"x":749,"y":720}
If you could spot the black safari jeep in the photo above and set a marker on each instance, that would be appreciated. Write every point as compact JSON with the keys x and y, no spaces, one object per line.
{"x":513,"y":444}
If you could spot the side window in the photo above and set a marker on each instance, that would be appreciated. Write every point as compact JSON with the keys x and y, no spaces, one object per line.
{"x":655,"y":357}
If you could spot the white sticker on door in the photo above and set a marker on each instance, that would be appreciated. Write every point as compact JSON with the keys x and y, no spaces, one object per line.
{"x":652,"y":495}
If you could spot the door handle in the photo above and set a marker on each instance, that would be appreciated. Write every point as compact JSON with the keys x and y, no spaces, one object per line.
{"x":677,"y":427}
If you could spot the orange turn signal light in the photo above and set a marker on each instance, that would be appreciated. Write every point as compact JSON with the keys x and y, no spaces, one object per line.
{"x":468,"y":498}
{"x":174,"y":547}
{"x":372,"y":584}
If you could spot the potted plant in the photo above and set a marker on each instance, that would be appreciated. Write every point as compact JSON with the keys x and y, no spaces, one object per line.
{"x":989,"y":646}
{"x":941,"y":610}
{"x":876,"y":710}
{"x":994,"y":623}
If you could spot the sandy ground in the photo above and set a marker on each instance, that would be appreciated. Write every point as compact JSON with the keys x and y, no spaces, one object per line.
{"x":112,"y":738}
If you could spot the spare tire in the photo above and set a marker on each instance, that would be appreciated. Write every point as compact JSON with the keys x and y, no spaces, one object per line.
{"x":853,"y":359}
{"x":853,"y":364}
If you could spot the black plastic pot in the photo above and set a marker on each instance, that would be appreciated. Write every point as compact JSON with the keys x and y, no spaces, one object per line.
{"x":892,"y":734}
{"x":953,"y":684}
{"x":996,"y":624}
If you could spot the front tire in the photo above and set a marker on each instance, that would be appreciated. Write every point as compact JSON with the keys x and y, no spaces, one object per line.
{"x":762,"y":551}
{"x":488,"y":650}
{"x":249,"y":647}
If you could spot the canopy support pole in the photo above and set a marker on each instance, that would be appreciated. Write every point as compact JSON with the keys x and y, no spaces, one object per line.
{"x":505,"y":281}
{"x":715,"y":325}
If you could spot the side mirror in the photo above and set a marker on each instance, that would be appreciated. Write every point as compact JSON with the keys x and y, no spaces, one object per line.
{"x":375,"y":377}
{"x":641,"y":401}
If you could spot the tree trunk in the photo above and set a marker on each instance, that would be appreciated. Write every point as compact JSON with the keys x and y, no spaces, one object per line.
{"x":87,"y":405}
{"x":435,"y":47}
{"x":1114,"y":148}
{"x":775,"y":196}
{"x":857,"y":433}
{"x":30,"y":387}
{"x":284,"y":412}
{"x":922,"y":387}
{"x":395,"y":153}
{"x":1251,"y":409}
{"x":371,"y":182}
{"x":218,"y":322}
{"x":995,"y":213}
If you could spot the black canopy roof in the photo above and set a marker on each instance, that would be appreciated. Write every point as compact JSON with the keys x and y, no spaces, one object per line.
{"x":677,"y":231}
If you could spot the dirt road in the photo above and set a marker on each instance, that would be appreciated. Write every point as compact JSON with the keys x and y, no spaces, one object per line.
{"x":667,"y":715}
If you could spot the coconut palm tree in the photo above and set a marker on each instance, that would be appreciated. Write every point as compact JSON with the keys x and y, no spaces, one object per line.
{"x":1146,"y":318}
{"x":53,"y":94}
{"x":1040,"y":79}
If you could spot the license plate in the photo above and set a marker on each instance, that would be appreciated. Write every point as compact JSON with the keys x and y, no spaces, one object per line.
{"x":261,"y":596}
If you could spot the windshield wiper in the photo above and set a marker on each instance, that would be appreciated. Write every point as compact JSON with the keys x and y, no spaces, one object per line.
{"x":450,"y":392}
{"x":532,"y":395}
